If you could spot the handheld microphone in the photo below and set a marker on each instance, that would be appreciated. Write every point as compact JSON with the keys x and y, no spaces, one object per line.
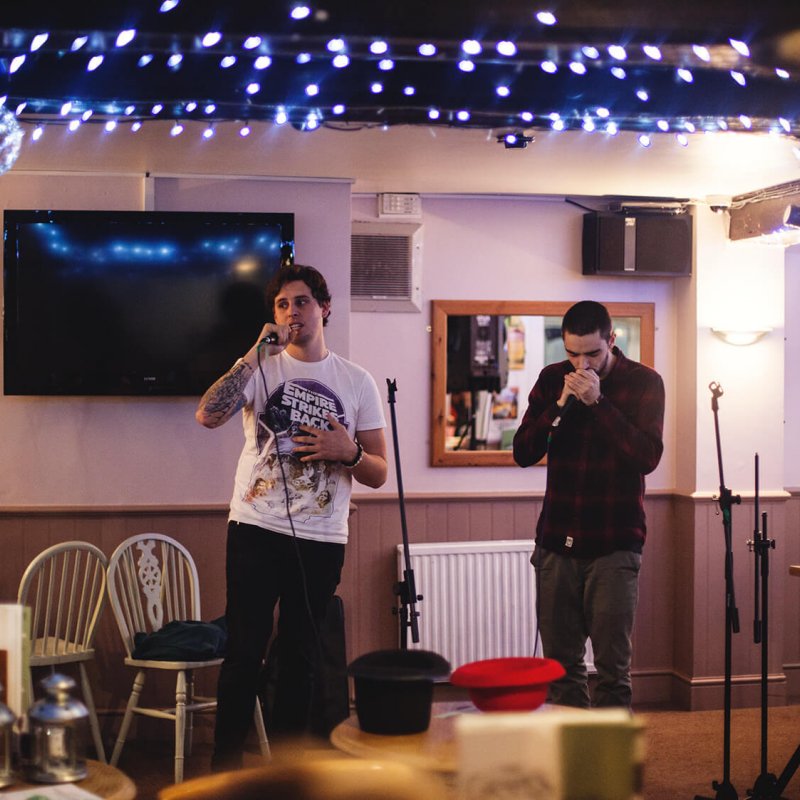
{"x":564,"y":410}
{"x":270,"y":338}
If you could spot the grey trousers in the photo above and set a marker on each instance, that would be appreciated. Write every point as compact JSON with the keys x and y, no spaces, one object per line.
{"x":596,"y":598}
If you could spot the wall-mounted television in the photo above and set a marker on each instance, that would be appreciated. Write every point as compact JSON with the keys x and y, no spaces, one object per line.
{"x":134,"y":303}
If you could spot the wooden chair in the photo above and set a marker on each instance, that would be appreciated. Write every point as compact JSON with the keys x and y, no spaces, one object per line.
{"x":328,"y":778}
{"x":65,"y":586}
{"x":152,"y":580}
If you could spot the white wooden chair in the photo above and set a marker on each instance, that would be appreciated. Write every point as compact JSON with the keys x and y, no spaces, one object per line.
{"x":152,"y":580}
{"x":65,"y":586}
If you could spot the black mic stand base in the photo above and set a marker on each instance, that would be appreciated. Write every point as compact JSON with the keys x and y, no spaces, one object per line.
{"x":725,"y":791}
{"x":764,"y":788}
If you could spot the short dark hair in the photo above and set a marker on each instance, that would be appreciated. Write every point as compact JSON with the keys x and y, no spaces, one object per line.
{"x":312,"y":277}
{"x":586,"y":317}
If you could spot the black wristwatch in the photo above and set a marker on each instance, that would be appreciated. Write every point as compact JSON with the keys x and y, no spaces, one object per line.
{"x":357,"y":460}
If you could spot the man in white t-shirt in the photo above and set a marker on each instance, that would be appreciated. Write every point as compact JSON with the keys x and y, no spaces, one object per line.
{"x":313,"y":422}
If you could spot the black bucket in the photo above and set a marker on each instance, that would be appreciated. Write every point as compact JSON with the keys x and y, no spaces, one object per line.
{"x":394,"y":689}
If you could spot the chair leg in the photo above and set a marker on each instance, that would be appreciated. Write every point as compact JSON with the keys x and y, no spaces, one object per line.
{"x":263,"y":741}
{"x":189,"y":714}
{"x":180,"y":724}
{"x":93,"y":722}
{"x":133,"y":702}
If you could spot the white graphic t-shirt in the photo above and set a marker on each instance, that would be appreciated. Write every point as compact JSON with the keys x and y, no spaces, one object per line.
{"x":285,"y":394}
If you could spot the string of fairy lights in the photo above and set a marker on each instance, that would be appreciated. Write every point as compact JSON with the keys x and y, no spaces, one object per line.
{"x":513,"y":86}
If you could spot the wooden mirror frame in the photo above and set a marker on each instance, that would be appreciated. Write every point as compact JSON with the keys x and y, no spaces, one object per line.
{"x":441,"y":309}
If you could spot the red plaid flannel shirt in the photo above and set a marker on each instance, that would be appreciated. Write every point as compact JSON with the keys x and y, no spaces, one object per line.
{"x":597,"y":458}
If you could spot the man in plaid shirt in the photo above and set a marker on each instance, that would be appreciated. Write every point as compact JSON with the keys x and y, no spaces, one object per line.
{"x":598,"y":417}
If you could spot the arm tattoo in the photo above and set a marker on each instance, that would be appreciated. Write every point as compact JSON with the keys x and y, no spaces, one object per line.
{"x":225,"y":397}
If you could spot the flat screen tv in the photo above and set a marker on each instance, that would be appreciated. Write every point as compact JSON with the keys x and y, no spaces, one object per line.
{"x":134,"y":303}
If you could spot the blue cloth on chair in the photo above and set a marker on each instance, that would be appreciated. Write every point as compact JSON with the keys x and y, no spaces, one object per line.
{"x":182,"y":640}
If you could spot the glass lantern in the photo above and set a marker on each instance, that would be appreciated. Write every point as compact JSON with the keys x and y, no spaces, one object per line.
{"x":58,"y":733}
{"x":6,"y":734}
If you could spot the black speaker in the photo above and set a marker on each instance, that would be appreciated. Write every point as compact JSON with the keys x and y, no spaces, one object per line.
{"x":476,"y":353}
{"x":647,"y":243}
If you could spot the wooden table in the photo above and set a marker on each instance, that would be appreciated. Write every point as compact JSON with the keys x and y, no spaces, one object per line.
{"x":794,"y":569}
{"x":103,"y":780}
{"x":434,"y":749}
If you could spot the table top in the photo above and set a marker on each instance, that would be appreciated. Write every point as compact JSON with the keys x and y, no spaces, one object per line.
{"x":433,"y":749}
{"x":103,"y":780}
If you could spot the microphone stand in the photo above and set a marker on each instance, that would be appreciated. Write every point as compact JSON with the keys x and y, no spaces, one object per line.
{"x":765,"y":784}
{"x":724,"y":788}
{"x":406,"y":589}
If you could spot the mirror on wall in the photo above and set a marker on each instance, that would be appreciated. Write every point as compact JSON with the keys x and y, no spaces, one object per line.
{"x":486,"y":356}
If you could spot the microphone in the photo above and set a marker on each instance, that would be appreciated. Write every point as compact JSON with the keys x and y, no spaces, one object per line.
{"x":564,"y":410}
{"x":270,"y":338}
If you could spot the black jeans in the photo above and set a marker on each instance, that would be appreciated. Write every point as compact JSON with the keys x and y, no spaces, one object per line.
{"x":262,"y":568}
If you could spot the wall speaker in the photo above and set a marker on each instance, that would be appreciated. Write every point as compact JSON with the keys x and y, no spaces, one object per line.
{"x":646,"y":244}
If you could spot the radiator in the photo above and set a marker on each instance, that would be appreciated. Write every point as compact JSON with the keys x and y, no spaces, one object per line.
{"x":479,"y":599}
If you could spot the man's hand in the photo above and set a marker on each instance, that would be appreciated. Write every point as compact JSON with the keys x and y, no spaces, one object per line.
{"x":325,"y":445}
{"x":583,"y":384}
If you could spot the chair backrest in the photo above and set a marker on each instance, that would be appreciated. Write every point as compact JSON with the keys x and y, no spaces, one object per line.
{"x":65,"y":586}
{"x":152,"y":580}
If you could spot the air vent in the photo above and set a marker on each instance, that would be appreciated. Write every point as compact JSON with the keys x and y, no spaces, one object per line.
{"x":385,"y":272}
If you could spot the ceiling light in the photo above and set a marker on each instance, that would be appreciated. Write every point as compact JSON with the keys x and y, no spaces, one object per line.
{"x":338,"y":109}
{"x":244,"y":130}
{"x":506,"y":48}
{"x":643,"y":95}
{"x":340,"y":61}
{"x":227,"y":62}
{"x":738,"y":77}
{"x":251,"y":42}
{"x":644,"y":140}
{"x":39,"y":41}
{"x":433,"y":113}
{"x":514,"y":140}
{"x":144,"y":60}
{"x":174,"y":61}
{"x":94,"y":63}
{"x":791,"y":216}
{"x":211,"y":38}
{"x":208,"y":133}
{"x":262,"y":62}
{"x":577,"y":67}
{"x":125,"y":37}
{"x":335,"y":45}
{"x":465,"y":65}
{"x":619,"y":73}
{"x":168,"y":5}
{"x":617,"y":51}
{"x":651,"y":51}
{"x":701,"y":52}
{"x":546,"y":17}
{"x":427,"y":49}
{"x":300,"y":11}
{"x":549,"y":67}
{"x":590,"y":52}
{"x":471,"y":47}
{"x":110,"y":125}
{"x":378,"y":47}
{"x":781,"y":73}
{"x":386,"y":64}
{"x":281,"y":117}
{"x":16,"y":63}
{"x":526,"y":116}
{"x":503,"y":91}
{"x":176,"y":129}
{"x":685,"y":74}
{"x":303,"y":58}
{"x":740,"y":47}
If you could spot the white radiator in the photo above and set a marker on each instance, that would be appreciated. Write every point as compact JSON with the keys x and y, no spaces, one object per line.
{"x":479,"y":599}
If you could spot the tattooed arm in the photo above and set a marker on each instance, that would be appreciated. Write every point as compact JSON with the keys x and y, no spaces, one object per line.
{"x":225,"y":397}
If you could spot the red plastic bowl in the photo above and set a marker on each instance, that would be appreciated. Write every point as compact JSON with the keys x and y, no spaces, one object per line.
{"x":507,"y":684}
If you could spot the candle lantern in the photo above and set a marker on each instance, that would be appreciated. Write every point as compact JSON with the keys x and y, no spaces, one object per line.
{"x":58,"y":732}
{"x":6,"y":734}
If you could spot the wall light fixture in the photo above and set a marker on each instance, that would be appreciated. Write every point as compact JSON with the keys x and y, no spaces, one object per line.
{"x":740,"y":337}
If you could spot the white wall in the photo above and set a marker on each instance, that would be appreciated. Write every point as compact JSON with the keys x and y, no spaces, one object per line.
{"x":501,"y":249}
